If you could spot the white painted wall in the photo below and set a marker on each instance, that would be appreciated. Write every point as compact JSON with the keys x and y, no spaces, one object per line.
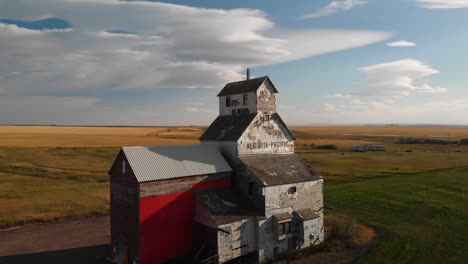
{"x":309,"y":195}
{"x":264,"y":137}
{"x":266,"y":100}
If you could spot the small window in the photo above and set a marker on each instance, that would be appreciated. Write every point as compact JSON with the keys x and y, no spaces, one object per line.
{"x":266,"y":117}
{"x":238,"y":111}
{"x":284,"y":228}
{"x":244,"y":99}
{"x":123,"y":166}
{"x":228,"y":101}
{"x":292,"y":190}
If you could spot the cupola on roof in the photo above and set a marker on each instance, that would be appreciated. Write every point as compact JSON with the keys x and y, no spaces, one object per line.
{"x":245,"y":86}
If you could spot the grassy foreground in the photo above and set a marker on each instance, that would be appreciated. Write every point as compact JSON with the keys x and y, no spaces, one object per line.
{"x":420,"y":217}
{"x":417,"y":201}
{"x":416,"y":196}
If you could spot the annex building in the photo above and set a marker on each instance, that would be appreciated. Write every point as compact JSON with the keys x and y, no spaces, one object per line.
{"x":240,"y":195}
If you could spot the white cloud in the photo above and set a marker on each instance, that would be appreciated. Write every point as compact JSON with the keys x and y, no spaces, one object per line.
{"x":117,"y":45}
{"x":370,"y":111}
{"x":401,"y":43}
{"x":169,"y":46}
{"x":339,"y":95}
{"x":335,"y":7}
{"x":393,"y":92}
{"x":443,"y":4}
{"x":107,"y":34}
{"x":329,"y":107}
{"x":194,"y":109}
{"x":398,"y":78}
{"x":10,"y":30}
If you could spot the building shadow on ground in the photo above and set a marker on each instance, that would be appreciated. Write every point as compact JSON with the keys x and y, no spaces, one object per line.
{"x":84,"y":255}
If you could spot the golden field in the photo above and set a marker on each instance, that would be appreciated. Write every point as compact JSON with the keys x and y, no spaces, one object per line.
{"x":61,"y":136}
{"x":58,"y":136}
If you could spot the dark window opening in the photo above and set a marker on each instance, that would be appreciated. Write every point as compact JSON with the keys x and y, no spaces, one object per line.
{"x":292,"y":190}
{"x":266,"y":117}
{"x":233,"y":111}
{"x":244,"y":99}
{"x":228,"y":101}
{"x":251,"y":188}
{"x":284,"y":228}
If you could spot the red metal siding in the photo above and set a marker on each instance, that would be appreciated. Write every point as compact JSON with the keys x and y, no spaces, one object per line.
{"x":166,"y":223}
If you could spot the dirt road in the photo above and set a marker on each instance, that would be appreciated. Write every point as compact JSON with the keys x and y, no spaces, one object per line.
{"x":75,"y":241}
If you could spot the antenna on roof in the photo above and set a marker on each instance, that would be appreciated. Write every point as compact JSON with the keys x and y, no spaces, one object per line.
{"x":248,"y":74}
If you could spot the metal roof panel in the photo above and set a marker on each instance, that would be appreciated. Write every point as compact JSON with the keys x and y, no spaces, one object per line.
{"x":168,"y":162}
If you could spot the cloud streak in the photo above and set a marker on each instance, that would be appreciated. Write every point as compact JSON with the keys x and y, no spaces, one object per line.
{"x":335,"y":7}
{"x":443,"y":4}
{"x":401,"y":43}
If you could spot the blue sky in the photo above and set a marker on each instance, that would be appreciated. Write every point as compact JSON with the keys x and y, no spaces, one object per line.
{"x":115,"y":62}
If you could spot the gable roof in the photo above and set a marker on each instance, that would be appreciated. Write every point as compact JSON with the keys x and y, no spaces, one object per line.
{"x":307,"y":214}
{"x":228,"y":127}
{"x":277,"y":118}
{"x":168,"y":162}
{"x":245,"y":86}
{"x":279,"y":169}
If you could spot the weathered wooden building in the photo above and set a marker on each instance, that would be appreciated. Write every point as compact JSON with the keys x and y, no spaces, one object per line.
{"x":241,"y":193}
{"x":152,"y":198}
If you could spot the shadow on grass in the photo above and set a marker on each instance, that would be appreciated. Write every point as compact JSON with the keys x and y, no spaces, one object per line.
{"x":84,"y":255}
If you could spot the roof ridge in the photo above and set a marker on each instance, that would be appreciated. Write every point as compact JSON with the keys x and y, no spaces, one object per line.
{"x":244,"y":86}
{"x":251,"y":79}
{"x":164,"y":146}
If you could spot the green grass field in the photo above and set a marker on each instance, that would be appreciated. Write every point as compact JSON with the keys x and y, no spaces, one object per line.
{"x":417,"y":201}
{"x":420,"y":217}
{"x":416,"y":196}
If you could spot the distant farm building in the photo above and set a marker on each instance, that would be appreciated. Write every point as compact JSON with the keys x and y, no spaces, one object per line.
{"x":369,"y":147}
{"x":242,"y":194}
